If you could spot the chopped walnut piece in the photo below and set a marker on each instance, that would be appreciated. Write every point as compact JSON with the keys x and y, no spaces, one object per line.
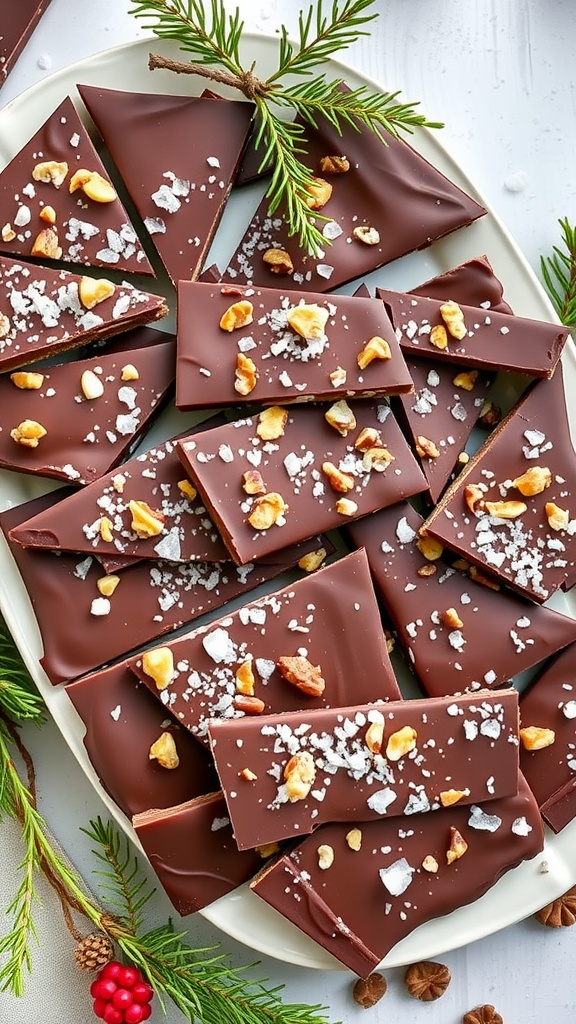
{"x":505,"y":509}
{"x":46,"y":244}
{"x":245,"y":678}
{"x":561,"y":913}
{"x":91,"y":385}
{"x":426,"y":570}
{"x":474,"y":497}
{"x":248,"y":705}
{"x":465,"y":380}
{"x":533,"y":481}
{"x":369,"y":991}
{"x":27,"y":380}
{"x":334,"y":164}
{"x":51,"y":172}
{"x":426,"y":448}
{"x":318,"y":193}
{"x":453,"y":317}
{"x":345,"y":507}
{"x":338,"y":377}
{"x":278,"y":261}
{"x":248,"y":774}
{"x":368,"y":437}
{"x":458,"y":846}
{"x":401,"y":742}
{"x":105,"y":529}
{"x":271,"y":423}
{"x":107,"y":585}
{"x":366,"y":234}
{"x":490,"y":415}
{"x":558,"y":518}
{"x":450,"y":618}
{"x":325,"y":856}
{"x":187,"y":488}
{"x":312,"y":560}
{"x":4,"y":326}
{"x":267,"y":510}
{"x":339,"y":481}
{"x":309,"y":321}
{"x":159,"y":665}
{"x":245,"y":375}
{"x":354,"y":839}
{"x":376,"y":348}
{"x":129,"y":372}
{"x":28,"y":433}
{"x":302,"y":674}
{"x":252,"y":482}
{"x":48,"y":214}
{"x":438,"y":336}
{"x":452,"y":796}
{"x":146,"y":522}
{"x":535,"y":738}
{"x":341,"y":417}
{"x":238,"y":315}
{"x":299,"y":774}
{"x":427,"y":980}
{"x":164,"y":751}
{"x":428,"y":546}
{"x":430,"y":864}
{"x":374,"y":737}
{"x":485,"y":1014}
{"x":8,"y":233}
{"x":93,"y":291}
{"x":377,"y":459}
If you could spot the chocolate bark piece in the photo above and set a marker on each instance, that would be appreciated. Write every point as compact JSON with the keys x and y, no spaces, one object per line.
{"x":534,"y":552}
{"x":177,"y":156}
{"x":179,"y":529}
{"x":548,"y":753}
{"x":44,"y":312}
{"x":444,"y":619}
{"x":86,"y":436}
{"x":474,"y":283}
{"x":291,"y":469}
{"x":192,"y":850}
{"x":122,"y":722}
{"x":151,"y":599}
{"x":324,"y":620}
{"x":317,"y":358}
{"x":389,"y":188}
{"x":359,"y":763}
{"x":18,"y":23}
{"x":41,"y":191}
{"x":373,"y":896}
{"x":490,"y":340}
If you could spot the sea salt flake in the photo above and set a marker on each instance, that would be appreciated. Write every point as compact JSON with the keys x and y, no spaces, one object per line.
{"x":483,"y":822}
{"x":397,"y":876}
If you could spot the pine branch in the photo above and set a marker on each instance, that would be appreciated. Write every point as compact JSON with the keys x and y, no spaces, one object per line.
{"x":343,"y":29}
{"x":559,"y":275}
{"x":124,"y":884}
{"x":205,"y":30}
{"x":19,"y":699}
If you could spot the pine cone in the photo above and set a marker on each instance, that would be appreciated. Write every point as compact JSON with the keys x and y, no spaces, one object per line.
{"x":93,"y":952}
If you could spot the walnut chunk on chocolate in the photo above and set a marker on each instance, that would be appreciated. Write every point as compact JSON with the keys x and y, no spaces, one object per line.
{"x":302,"y":674}
{"x":369,"y":991}
{"x":561,"y":913}
{"x":485,"y":1014}
{"x":427,"y":980}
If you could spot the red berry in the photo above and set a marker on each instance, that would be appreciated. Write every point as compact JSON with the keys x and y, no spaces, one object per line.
{"x":99,"y":1007}
{"x":111,"y":970}
{"x":142,"y":993}
{"x":122,"y":999}
{"x":112,"y":1015}
{"x":129,"y":976}
{"x":137,"y":1013}
{"x":103,"y":988}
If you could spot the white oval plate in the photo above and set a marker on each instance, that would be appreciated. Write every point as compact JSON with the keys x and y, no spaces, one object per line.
{"x":243,"y":915}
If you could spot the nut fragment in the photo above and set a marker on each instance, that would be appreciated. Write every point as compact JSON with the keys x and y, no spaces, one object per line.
{"x":107,"y":585}
{"x":48,"y":214}
{"x":159,"y":665}
{"x":354,"y":839}
{"x":430,"y":864}
{"x":375,"y":734}
{"x":278,"y":261}
{"x":558,"y":518}
{"x":305,"y":676}
{"x":450,"y":618}
{"x":93,"y":185}
{"x":146,"y":522}
{"x":267,"y":510}
{"x":474,"y":497}
{"x":106,"y":529}
{"x":334,"y":164}
{"x":452,"y":796}
{"x":299,"y":774}
{"x":438,"y":337}
{"x":164,"y":751}
{"x":318,"y":193}
{"x":8,"y":233}
{"x":453,"y":317}
{"x":91,"y":385}
{"x":490,"y":415}
{"x":368,"y":437}
{"x":245,"y":678}
{"x":129,"y":372}
{"x":339,"y":481}
{"x":458,"y":846}
{"x":341,"y":417}
{"x":27,"y":380}
{"x":249,"y":705}
{"x":238,"y":315}
{"x":535,"y":738}
{"x":46,"y":244}
{"x":118,"y":483}
{"x":345,"y":507}
{"x":401,"y":742}
{"x":366,"y":234}
{"x":505,"y":509}
{"x":92,"y":291}
{"x":267,"y":849}
{"x":313,"y":560}
{"x":485,"y":1014}
{"x":325,"y":856}
{"x":376,"y":348}
{"x":28,"y":433}
{"x":338,"y":377}
{"x":533,"y":481}
{"x":246,"y":374}
{"x":428,"y":546}
{"x":187,"y":489}
{"x":426,"y":570}
{"x":271,"y":423}
{"x":369,"y":991}
{"x":465,"y":380}
{"x":248,"y":774}
{"x":308,"y":321}
{"x":51,"y":172}
{"x":252,"y":482}
{"x":427,"y":980}
{"x":561,"y":913}
{"x":426,"y":448}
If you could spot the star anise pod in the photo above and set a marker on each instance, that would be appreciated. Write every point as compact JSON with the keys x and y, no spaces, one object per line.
{"x":561,"y":913}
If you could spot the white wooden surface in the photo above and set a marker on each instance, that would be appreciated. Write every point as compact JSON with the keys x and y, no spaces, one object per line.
{"x":500,"y":74}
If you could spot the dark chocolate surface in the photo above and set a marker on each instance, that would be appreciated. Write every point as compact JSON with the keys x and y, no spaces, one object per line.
{"x":445,"y":658}
{"x":192,"y":148}
{"x":98,"y":234}
{"x":18,"y":23}
{"x":474,"y":283}
{"x":291,"y":466}
{"x":289,"y":367}
{"x":357,"y":914}
{"x":468,"y":744}
{"x":122,"y":722}
{"x":327,"y":617}
{"x":86,"y":437}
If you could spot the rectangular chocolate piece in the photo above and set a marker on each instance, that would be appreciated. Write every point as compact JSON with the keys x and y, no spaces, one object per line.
{"x":386,"y":879}
{"x":512,"y":510}
{"x":480,"y":338}
{"x":275,"y":478}
{"x":294,"y":648}
{"x":152,"y":598}
{"x":285,"y":775}
{"x":192,"y":850}
{"x":444,"y":618}
{"x":267,"y":345}
{"x":19,"y":19}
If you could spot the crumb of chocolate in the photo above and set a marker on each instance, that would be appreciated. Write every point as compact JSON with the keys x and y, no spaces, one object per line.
{"x":369,"y":991}
{"x":561,"y":913}
{"x":485,"y":1014}
{"x":427,"y":980}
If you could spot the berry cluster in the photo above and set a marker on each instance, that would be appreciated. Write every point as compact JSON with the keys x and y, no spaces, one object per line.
{"x":121,"y":996}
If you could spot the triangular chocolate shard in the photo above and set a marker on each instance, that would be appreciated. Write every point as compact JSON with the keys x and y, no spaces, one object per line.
{"x":177,"y":156}
{"x":58,"y":201}
{"x":18,"y":23}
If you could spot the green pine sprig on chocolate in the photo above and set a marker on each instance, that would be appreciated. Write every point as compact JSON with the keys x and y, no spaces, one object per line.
{"x":559,"y":274}
{"x":212,"y":37}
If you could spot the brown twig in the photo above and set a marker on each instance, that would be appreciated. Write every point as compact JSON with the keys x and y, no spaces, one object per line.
{"x":246,"y":82}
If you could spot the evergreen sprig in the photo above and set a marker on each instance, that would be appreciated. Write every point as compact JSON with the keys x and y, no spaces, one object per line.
{"x":559,"y":274}
{"x":19,"y":700}
{"x":213,"y":37}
